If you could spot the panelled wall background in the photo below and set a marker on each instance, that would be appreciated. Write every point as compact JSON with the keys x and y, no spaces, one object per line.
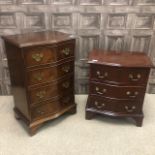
{"x":109,"y":24}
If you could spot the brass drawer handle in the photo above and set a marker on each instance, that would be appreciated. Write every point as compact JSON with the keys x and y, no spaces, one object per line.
{"x":66,"y":84}
{"x":136,"y":78}
{"x":41,"y":94}
{"x":37,"y":56}
{"x":66,"y":69}
{"x":40,"y":112}
{"x":99,"y":106}
{"x":66,"y":51}
{"x":38,"y":76}
{"x":98,"y":91}
{"x":101,"y":76}
{"x":130,"y":109}
{"x":130,"y":94}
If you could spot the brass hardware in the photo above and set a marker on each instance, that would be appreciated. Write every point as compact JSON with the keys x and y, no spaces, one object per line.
{"x":38,"y":76}
{"x":136,"y":93}
{"x":138,"y":76}
{"x":130,"y":109}
{"x":66,"y":51}
{"x":40,"y":112}
{"x":97,"y":88}
{"x":103,"y":91}
{"x":135,"y":79}
{"x":130,"y":76}
{"x":98,"y":72}
{"x":37,"y":56}
{"x":99,"y":106}
{"x":41,"y":94}
{"x":66,"y":84}
{"x":129,"y":94}
{"x":66,"y":68}
{"x":101,"y":76}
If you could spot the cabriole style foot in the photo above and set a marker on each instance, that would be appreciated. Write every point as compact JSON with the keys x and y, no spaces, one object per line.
{"x":139,"y":121}
{"x":33,"y":130}
{"x":17,"y":116}
{"x":89,"y":115}
{"x":72,"y":110}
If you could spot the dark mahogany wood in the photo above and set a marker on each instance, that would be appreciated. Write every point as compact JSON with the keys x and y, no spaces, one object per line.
{"x":124,"y":59}
{"x":118,"y":83}
{"x":41,"y":68}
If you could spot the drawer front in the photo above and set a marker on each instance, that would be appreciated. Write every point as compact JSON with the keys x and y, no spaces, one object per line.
{"x":45,"y":109}
{"x":49,"y":74}
{"x":121,"y":106}
{"x":119,"y":75}
{"x":67,"y":100}
{"x":53,"y":90}
{"x":65,"y":50}
{"x":120,"y":92}
{"x":39,"y":55}
{"x":51,"y":107}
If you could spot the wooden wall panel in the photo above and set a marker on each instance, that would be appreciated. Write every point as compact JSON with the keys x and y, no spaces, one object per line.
{"x":108,"y":24}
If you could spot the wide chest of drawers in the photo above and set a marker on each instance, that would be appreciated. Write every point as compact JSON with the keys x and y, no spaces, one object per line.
{"x":41,"y":66}
{"x":117,"y":84}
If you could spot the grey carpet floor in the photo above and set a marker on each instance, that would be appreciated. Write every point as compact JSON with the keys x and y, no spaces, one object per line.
{"x":73,"y":135}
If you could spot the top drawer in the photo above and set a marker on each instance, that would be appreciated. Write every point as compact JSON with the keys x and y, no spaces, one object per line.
{"x":119,"y":75}
{"x":40,"y":55}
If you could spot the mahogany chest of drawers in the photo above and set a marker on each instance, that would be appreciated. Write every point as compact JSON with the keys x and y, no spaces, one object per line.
{"x":41,"y":66}
{"x":117,"y":84}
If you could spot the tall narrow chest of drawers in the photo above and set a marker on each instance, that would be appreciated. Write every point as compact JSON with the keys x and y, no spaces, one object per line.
{"x":41,"y":66}
{"x":117,"y":84}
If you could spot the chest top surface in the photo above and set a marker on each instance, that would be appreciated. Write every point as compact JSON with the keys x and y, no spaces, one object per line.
{"x":37,"y":38}
{"x":120,"y":59}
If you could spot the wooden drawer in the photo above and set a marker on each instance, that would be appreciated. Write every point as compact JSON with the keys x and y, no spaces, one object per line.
{"x":120,"y":92}
{"x":114,"y":106}
{"x":50,"y":107}
{"x":65,"y":50}
{"x":119,"y":75}
{"x":41,"y":55}
{"x":49,"y":74}
{"x":47,"y":92}
{"x":43,"y":110}
{"x":67,"y":100}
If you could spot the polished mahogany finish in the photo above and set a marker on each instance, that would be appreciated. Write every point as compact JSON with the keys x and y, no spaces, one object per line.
{"x":41,"y":68}
{"x":118,"y":83}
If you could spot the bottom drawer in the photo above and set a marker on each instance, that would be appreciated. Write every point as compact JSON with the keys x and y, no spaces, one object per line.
{"x":115,"y":106}
{"x":51,"y":107}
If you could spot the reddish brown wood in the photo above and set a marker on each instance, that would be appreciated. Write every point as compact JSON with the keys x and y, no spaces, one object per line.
{"x":37,"y":38}
{"x":46,"y":92}
{"x":114,"y":91}
{"x":41,"y":68}
{"x":123,"y":59}
{"x":115,"y":74}
{"x":117,"y":84}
